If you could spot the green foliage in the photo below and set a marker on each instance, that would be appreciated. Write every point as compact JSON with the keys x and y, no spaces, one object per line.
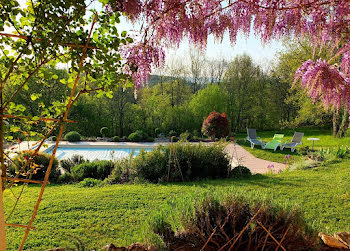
{"x":65,"y":178}
{"x":53,"y":138}
{"x":72,"y":136}
{"x":116,"y":139}
{"x":104,"y":131}
{"x":240,"y":172}
{"x":157,"y":131}
{"x":96,"y":169}
{"x":195,"y":161}
{"x":89,"y":182}
{"x":139,"y":136}
{"x":185,"y":136}
{"x":211,"y":98}
{"x":75,"y":160}
{"x":172,"y":133}
{"x":122,"y":172}
{"x":37,"y":165}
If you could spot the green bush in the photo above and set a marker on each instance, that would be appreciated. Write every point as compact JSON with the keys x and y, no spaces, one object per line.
{"x":185,"y":136}
{"x":121,"y":173}
{"x":195,"y":161}
{"x":53,"y":138}
{"x":38,"y":165}
{"x":172,"y":133}
{"x":116,"y":139}
{"x":240,"y":172}
{"x":104,"y":131}
{"x":67,"y":164}
{"x":138,"y":136}
{"x":72,"y":136}
{"x":65,"y":178}
{"x":90,"y":182}
{"x":157,"y":131}
{"x":96,"y":169}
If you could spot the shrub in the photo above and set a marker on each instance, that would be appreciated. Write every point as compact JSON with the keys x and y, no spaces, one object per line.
{"x":37,"y":166}
{"x":195,"y":161}
{"x":240,"y":172}
{"x":121,"y":173}
{"x":65,"y":178}
{"x":157,"y":131}
{"x":137,"y":136}
{"x":96,"y":169}
{"x":213,"y":224}
{"x":116,"y":139}
{"x":53,"y":138}
{"x":185,"y":136}
{"x":216,"y":125}
{"x":172,"y":133}
{"x":67,"y":164}
{"x":90,"y":182}
{"x":104,"y":131}
{"x":72,"y":136}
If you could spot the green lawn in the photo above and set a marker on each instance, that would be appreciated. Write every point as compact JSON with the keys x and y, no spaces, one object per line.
{"x":325,"y":136}
{"x":117,"y":213}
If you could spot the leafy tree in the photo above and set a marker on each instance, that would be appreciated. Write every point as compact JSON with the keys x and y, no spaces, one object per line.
{"x":206,"y":100}
{"x":216,"y":125}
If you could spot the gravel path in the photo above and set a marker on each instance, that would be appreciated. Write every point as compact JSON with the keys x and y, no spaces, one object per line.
{"x":245,"y":158}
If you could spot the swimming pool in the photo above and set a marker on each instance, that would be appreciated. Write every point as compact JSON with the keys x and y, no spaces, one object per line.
{"x":95,"y":153}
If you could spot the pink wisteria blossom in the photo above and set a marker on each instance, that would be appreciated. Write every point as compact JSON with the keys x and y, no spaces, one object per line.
{"x":165,"y":23}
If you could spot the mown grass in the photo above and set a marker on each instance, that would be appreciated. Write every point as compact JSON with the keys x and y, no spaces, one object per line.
{"x":325,"y":136}
{"x":118,"y":213}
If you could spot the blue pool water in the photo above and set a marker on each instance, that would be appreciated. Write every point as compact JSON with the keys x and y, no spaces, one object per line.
{"x":91,"y":153}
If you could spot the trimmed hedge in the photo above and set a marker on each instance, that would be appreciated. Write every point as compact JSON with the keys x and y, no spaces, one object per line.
{"x":140,"y":136}
{"x":72,"y":136}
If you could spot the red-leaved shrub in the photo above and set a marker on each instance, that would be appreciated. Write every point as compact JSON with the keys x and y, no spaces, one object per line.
{"x":216,"y":125}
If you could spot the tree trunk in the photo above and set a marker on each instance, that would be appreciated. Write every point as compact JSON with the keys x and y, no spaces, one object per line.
{"x":335,"y":123}
{"x":344,"y":124}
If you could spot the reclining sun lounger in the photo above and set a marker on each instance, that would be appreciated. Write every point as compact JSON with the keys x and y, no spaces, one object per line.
{"x":297,"y":140}
{"x":253,"y":139}
{"x":275,"y":142}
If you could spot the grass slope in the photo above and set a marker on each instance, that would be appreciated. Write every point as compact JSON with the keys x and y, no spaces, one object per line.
{"x":98,"y":216}
{"x":326,"y":140}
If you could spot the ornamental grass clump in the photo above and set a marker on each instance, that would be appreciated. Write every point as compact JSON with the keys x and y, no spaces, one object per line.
{"x":234,"y":224}
{"x":216,"y":125}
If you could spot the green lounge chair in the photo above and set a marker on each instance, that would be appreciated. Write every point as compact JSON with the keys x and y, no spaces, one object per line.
{"x":297,"y":140}
{"x":275,"y":142}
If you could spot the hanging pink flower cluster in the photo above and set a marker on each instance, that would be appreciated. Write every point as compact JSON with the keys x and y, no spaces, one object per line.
{"x":168,"y":22}
{"x":140,"y":58}
{"x":325,"y":82}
